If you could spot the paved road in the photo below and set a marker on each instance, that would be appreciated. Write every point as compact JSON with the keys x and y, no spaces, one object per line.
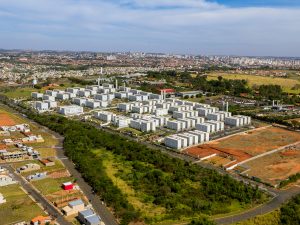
{"x":279,"y":197}
{"x":276,"y":202}
{"x":39,"y":198}
{"x":107,"y":217}
{"x":266,"y":208}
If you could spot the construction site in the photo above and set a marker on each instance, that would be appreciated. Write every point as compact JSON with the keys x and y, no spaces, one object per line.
{"x":277,"y":167}
{"x":270,"y":149}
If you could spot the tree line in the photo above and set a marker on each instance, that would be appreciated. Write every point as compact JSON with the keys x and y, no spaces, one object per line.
{"x":183,"y":189}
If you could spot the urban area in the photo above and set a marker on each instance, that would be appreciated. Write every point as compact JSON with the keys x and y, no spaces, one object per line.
{"x":143,"y":138}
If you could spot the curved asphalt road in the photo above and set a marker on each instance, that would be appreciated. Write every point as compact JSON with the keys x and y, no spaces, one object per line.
{"x":275,"y":203}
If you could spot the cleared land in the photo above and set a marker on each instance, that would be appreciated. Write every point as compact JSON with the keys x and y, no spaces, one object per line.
{"x":244,"y":146}
{"x":50,"y":140}
{"x":19,"y":206}
{"x":277,"y":166}
{"x":286,"y":83}
{"x":6,"y":120}
{"x":9,"y":119}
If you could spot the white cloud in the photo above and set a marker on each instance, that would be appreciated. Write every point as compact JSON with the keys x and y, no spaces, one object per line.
{"x":200,"y":4}
{"x":195,"y":26}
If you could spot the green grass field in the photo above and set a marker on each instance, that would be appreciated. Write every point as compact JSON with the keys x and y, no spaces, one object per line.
{"x":48,"y":185}
{"x":19,"y":92}
{"x":19,"y":206}
{"x":286,"y":83}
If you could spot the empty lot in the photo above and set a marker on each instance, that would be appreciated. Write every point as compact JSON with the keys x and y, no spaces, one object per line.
{"x":276,"y":167}
{"x":252,"y":143}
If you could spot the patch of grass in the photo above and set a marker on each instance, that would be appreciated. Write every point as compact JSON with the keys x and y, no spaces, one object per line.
{"x":20,"y":92}
{"x":134,"y":131}
{"x":47,"y":152}
{"x":271,"y":218}
{"x":113,"y":167}
{"x":286,"y":83}
{"x":198,"y":100}
{"x":49,"y":185}
{"x":19,"y":206}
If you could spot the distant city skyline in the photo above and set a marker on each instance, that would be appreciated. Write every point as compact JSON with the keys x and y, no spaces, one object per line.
{"x":201,"y":27}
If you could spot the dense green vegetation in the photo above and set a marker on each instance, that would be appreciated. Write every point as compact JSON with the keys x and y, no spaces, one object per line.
{"x":80,"y":81}
{"x":202,"y":221}
{"x":290,"y":212}
{"x":270,"y":91}
{"x":182,"y":189}
{"x":234,"y":87}
{"x":220,"y":86}
{"x":291,"y":179}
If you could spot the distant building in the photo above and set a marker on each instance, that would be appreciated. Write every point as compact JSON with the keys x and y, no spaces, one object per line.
{"x":6,"y":180}
{"x":73,"y":207}
{"x":47,"y":162}
{"x":70,"y":110}
{"x":28,"y":167}
{"x":189,"y":94}
{"x":41,"y":106}
{"x":37,"y":176}
{"x":40,"y":220}
{"x":16,"y":155}
{"x":88,"y":217}
{"x":36,"y":95}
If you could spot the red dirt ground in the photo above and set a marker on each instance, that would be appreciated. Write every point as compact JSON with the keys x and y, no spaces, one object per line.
{"x":6,"y":120}
{"x":207,"y":149}
{"x":245,"y":146}
{"x":276,"y":167}
{"x":290,"y":153}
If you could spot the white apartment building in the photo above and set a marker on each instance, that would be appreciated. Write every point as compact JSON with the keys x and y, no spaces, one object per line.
{"x":48,"y":98}
{"x":175,"y":142}
{"x":70,"y":110}
{"x":206,"y":127}
{"x":36,"y":95}
{"x":79,"y":101}
{"x":41,"y":106}
{"x":104,"y":116}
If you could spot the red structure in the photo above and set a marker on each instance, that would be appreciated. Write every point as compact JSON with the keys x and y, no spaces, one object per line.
{"x":68,"y":186}
{"x":168,"y":90}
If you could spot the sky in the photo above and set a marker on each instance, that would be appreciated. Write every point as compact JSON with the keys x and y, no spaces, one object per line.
{"x":206,"y":27}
